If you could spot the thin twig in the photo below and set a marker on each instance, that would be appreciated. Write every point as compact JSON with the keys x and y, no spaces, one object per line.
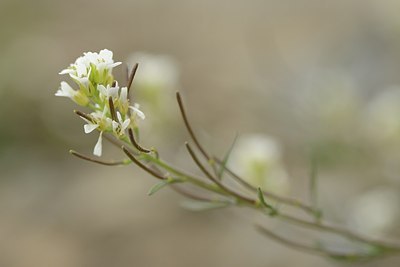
{"x":311,"y":249}
{"x":114,"y":141}
{"x":83,"y":115}
{"x":292,"y":202}
{"x":189,"y":128}
{"x":288,"y":201}
{"x":102,"y":162}
{"x":191,"y":178}
{"x":340,"y":231}
{"x":289,"y":243}
{"x":112,"y":109}
{"x":132,"y":76}
{"x":284,"y":200}
{"x":188,"y":194}
{"x":126,"y":73}
{"x":141,"y":165}
{"x":210,"y":160}
{"x":215,"y":180}
{"x":135,"y":144}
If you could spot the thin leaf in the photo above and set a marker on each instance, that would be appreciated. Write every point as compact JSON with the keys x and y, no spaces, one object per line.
{"x":203,"y":205}
{"x":260,"y":195}
{"x":226,"y":158}
{"x":155,"y":188}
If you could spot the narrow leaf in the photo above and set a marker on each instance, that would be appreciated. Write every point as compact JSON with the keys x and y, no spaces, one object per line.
{"x":226,"y":158}
{"x":260,"y":194}
{"x":155,"y":188}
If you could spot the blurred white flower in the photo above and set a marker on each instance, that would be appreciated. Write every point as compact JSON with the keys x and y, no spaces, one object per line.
{"x":136,"y":111}
{"x":155,"y":84}
{"x":155,"y":71}
{"x":257,"y":158}
{"x":383,"y":115}
{"x":375,"y":211}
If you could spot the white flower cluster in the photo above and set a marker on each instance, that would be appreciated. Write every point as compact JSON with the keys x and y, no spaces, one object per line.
{"x":257,"y":158}
{"x":98,"y":91}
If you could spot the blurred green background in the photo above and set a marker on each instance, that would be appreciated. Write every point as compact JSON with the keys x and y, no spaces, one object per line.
{"x":320,"y":77}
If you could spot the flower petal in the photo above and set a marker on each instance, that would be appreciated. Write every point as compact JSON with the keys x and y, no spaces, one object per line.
{"x":66,"y":71}
{"x":98,"y":148}
{"x":136,"y":110}
{"x":65,"y":90}
{"x":119,"y":117}
{"x":123,"y":97}
{"x":125,"y":124}
{"x":106,"y":54}
{"x":102,"y":89}
{"x":114,"y":64}
{"x":90,"y":127}
{"x":113,"y":91}
{"x":115,"y":125}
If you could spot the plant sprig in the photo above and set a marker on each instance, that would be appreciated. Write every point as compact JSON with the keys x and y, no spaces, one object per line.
{"x":113,"y":115}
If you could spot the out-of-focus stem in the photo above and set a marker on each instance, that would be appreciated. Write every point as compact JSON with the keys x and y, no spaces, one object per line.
{"x":158,"y":162}
{"x":210,"y":160}
{"x":101,"y":162}
{"x":282,"y":200}
{"x":314,"y":250}
{"x":216,"y":181}
{"x":340,"y":231}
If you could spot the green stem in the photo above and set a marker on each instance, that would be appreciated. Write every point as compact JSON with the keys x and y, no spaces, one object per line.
{"x":181,"y":174}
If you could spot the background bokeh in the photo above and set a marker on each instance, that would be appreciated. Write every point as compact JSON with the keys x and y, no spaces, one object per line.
{"x":320,"y":77}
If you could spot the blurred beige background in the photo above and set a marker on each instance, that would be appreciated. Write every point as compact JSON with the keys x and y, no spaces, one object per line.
{"x":321,"y":77}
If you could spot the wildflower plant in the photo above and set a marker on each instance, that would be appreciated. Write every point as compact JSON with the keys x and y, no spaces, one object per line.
{"x":113,"y":116}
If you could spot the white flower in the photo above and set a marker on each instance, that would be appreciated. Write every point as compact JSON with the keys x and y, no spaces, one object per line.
{"x":108,"y":91}
{"x":257,"y":158}
{"x":120,"y":126}
{"x":155,"y":71}
{"x":82,"y":67}
{"x":156,"y":76}
{"x":101,"y":122}
{"x":135,"y":110}
{"x":375,"y":211}
{"x":105,"y":60}
{"x":123,"y":101}
{"x":82,"y":79}
{"x":382,"y":121}
{"x":66,"y":90}
{"x":78,"y":97}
